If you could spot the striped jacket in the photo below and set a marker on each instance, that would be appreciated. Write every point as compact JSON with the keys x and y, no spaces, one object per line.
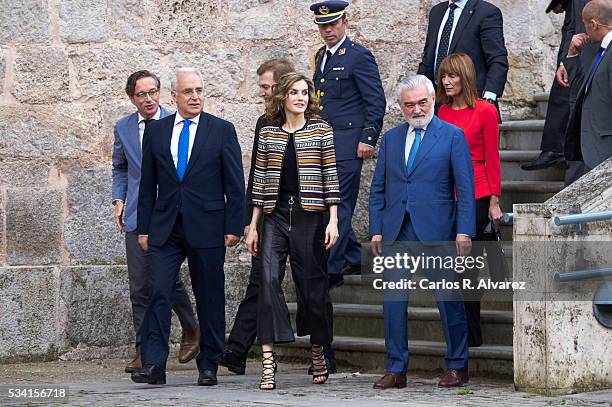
{"x":318,"y":180}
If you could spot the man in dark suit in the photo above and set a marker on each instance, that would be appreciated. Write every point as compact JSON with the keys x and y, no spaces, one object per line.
{"x":353,"y":102}
{"x":190,"y":205}
{"x":143,"y":90}
{"x":590,"y":126}
{"x":473,"y":27}
{"x":244,"y":331}
{"x":422,"y":166}
{"x":557,"y":114}
{"x":585,"y":51}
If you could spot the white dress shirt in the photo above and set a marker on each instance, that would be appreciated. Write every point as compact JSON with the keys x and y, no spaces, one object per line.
{"x":332,"y":50}
{"x":141,"y":123}
{"x":176,"y":133}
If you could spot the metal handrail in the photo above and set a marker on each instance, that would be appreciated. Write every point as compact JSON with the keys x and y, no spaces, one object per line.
{"x":582,"y":275}
{"x":582,"y":218}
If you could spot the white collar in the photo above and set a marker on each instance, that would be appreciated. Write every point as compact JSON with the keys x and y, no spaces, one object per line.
{"x":335,"y":47}
{"x":155,"y":116}
{"x":179,"y":119}
{"x":460,"y":3}
{"x":606,"y":40}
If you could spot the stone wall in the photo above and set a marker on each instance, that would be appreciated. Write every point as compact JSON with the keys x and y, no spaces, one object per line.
{"x":63,"y":65}
{"x":559,"y":347}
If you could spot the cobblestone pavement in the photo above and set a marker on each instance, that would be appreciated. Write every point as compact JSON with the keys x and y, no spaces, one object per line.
{"x":103,"y":383}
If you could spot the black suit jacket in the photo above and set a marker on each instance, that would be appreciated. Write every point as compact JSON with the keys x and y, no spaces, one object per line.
{"x":479,"y":34}
{"x":211,"y":195}
{"x":248,"y":203}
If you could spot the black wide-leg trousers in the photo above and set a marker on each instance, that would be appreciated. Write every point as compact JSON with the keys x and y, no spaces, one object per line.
{"x":291,"y":231}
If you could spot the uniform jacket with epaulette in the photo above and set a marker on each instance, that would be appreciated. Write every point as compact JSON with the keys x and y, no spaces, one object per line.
{"x":351,"y":97}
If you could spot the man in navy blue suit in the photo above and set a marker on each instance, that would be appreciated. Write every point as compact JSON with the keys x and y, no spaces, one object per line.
{"x":421,"y":165}
{"x":353,"y":102}
{"x":190,"y":205}
{"x":143,"y":90}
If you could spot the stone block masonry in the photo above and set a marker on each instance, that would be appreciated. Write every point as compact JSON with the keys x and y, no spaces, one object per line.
{"x":63,"y":66}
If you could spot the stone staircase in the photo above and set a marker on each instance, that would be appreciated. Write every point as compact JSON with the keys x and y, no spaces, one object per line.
{"x":358,"y":320}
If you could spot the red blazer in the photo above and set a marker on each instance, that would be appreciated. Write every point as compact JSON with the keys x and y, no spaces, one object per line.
{"x":480,"y":126}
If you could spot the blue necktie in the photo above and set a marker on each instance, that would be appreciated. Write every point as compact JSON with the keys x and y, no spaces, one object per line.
{"x":183,"y":150}
{"x":594,"y":67}
{"x":413,"y":150}
{"x":444,"y":44}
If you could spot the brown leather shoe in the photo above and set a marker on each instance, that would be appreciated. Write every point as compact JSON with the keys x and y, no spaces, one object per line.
{"x":190,"y":345}
{"x":391,"y":380}
{"x":454,"y":378}
{"x":134,"y":365}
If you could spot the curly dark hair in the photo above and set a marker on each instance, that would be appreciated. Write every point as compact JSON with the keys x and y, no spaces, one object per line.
{"x":275,"y":109}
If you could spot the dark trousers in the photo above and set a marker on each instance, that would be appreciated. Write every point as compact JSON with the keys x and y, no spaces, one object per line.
{"x":291,"y":231}
{"x":347,"y":250}
{"x":138,"y":274}
{"x":208,"y":282}
{"x":472,"y":306}
{"x":244,"y":331}
{"x":395,"y":305}
{"x":557,"y":117}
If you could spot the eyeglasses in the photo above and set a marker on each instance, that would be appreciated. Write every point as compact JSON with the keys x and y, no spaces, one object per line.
{"x":190,"y":92}
{"x":143,"y":95}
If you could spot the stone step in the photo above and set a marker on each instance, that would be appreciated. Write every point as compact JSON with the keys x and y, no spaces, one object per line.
{"x":511,"y":161}
{"x":542,"y":101}
{"x":365,"y":320}
{"x":521,"y":134}
{"x":359,"y":290}
{"x":515,"y":192}
{"x":358,"y":354}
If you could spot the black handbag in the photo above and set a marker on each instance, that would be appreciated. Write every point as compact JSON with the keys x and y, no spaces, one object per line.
{"x":496,"y":258}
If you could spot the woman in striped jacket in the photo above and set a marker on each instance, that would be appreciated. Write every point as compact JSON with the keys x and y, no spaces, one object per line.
{"x":294,"y":183}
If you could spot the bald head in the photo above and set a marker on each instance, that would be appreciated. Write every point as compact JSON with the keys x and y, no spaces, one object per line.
{"x":597,"y":17}
{"x":599,"y":10}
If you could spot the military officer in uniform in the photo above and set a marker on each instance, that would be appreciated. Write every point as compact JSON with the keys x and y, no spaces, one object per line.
{"x":353,"y":102}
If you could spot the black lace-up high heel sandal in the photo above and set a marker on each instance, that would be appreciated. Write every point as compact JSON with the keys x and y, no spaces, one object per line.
{"x":319,"y":371}
{"x":268,"y":370}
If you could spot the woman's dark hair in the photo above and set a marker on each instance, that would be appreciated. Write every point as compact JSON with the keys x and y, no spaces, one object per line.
{"x":275,"y":109}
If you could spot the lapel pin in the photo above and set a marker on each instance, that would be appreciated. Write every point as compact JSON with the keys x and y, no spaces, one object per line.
{"x":341,"y":51}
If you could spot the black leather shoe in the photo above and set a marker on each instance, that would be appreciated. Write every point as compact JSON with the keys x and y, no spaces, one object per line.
{"x":234,"y":362}
{"x":207,"y":378}
{"x":353,"y":270}
{"x":544,"y":160}
{"x":335,"y":280}
{"x":149,"y":374}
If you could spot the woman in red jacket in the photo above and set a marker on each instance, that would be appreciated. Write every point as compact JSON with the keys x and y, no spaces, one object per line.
{"x":479,"y":121}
